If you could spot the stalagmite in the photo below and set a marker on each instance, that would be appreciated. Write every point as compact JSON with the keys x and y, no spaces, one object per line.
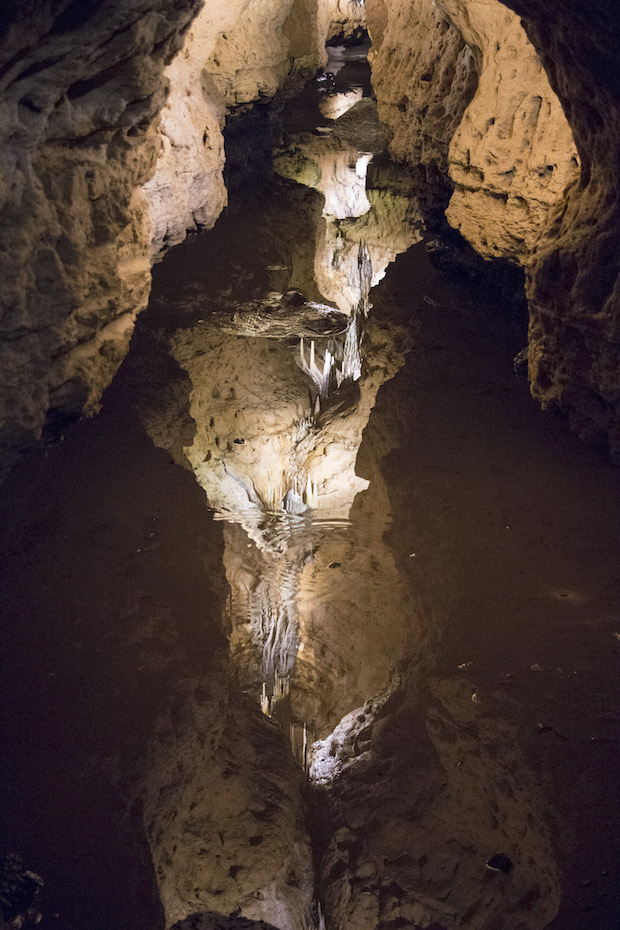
{"x":264,"y":701}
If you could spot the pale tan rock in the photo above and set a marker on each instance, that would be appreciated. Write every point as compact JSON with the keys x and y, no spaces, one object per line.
{"x":340,"y":18}
{"x":424,"y":75}
{"x":80,"y":103}
{"x":512,"y":155}
{"x":573,"y":276}
{"x":251,"y":60}
{"x":234,"y":53}
{"x":78,"y":99}
{"x":187,"y":189}
{"x":523,"y":189}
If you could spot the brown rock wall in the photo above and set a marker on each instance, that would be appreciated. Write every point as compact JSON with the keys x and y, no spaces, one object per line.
{"x":574,"y":272}
{"x":424,"y":74}
{"x":80,"y":92}
{"x":523,"y":190}
{"x":512,"y":154}
{"x":461,"y":88}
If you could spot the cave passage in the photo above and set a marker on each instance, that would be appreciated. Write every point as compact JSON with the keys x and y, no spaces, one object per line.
{"x":318,"y":512}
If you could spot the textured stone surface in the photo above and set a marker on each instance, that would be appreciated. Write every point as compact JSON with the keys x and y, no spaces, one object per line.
{"x":251,"y":60}
{"x":512,"y":154}
{"x":466,"y":93}
{"x":340,"y":18}
{"x":80,"y":92}
{"x":523,"y":189}
{"x":575,"y":269}
{"x":424,"y":75}
{"x":187,"y":189}
{"x":222,"y":807}
{"x":235,"y":52}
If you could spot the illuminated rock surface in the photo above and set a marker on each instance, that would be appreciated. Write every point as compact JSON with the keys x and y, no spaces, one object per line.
{"x":511,"y":153}
{"x":522,"y":189}
{"x":80,"y":92}
{"x":316,"y":623}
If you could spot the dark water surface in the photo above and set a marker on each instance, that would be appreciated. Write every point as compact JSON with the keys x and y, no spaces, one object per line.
{"x":425,"y":509}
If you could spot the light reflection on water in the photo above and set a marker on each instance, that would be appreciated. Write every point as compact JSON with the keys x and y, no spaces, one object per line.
{"x":280,"y":401}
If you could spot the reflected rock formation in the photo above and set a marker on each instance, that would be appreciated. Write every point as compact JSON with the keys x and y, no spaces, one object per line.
{"x":411,"y":789}
{"x":275,"y":450}
{"x":363,"y":203}
{"x":223,"y":812}
{"x":424,"y":788}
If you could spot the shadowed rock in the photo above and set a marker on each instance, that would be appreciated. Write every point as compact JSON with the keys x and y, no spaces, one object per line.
{"x":211,"y":920}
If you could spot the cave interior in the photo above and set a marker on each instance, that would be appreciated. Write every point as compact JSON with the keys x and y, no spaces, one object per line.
{"x":309,"y":447}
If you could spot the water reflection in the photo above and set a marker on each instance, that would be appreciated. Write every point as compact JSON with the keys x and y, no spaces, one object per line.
{"x":282,"y":389}
{"x":334,"y":105}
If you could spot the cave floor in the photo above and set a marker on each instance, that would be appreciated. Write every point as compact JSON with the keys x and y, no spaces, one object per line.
{"x":495,"y":539}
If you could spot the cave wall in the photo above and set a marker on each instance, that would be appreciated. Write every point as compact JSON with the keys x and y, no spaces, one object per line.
{"x":187,"y":189}
{"x":467,"y":94}
{"x":340,"y":19}
{"x":422,"y":87}
{"x":574,"y":271}
{"x":532,"y":159}
{"x":81,"y":88}
{"x":82,"y":91}
{"x":512,"y":154}
{"x":93,"y":182}
{"x":235,"y":53}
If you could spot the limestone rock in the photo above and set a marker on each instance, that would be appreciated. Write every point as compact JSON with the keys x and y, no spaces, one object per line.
{"x":234,"y":53}
{"x":187,"y":189}
{"x":512,"y":155}
{"x":80,"y":92}
{"x":340,"y":19}
{"x":222,"y":803}
{"x":510,"y":151}
{"x":251,"y":60}
{"x":523,"y":189}
{"x":424,"y":75}
{"x":573,"y":276}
